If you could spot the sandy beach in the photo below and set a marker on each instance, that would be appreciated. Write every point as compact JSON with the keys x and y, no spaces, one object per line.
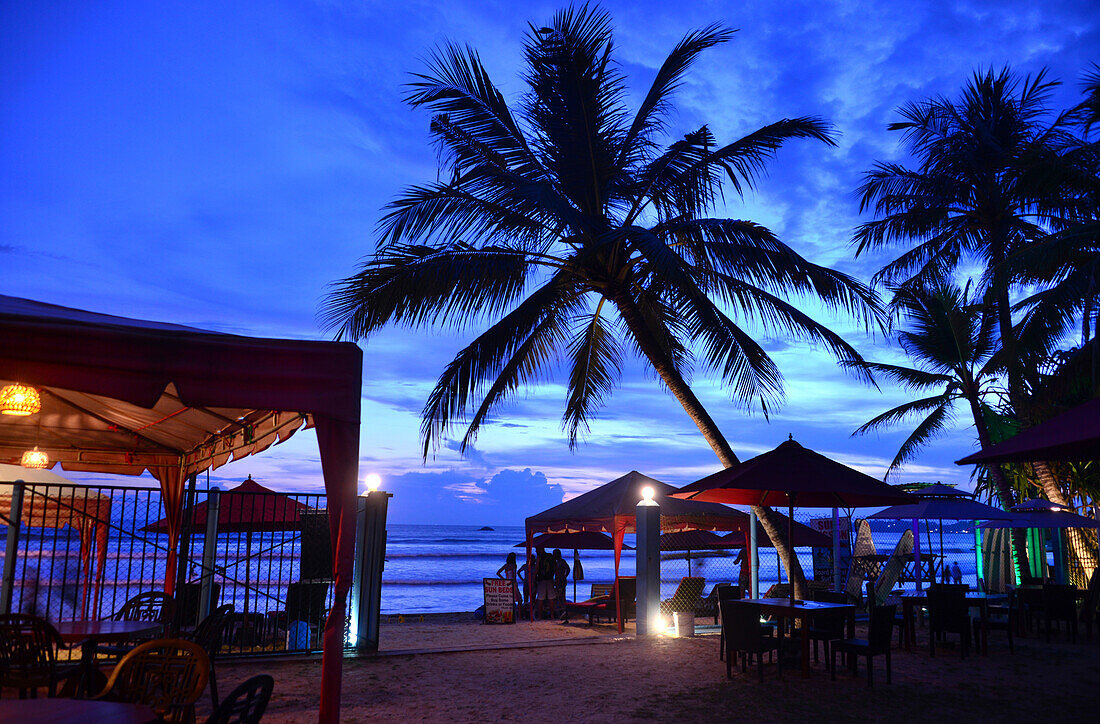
{"x":593,"y":674}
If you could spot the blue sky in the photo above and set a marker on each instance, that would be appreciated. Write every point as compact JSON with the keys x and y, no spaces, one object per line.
{"x":218,"y":163}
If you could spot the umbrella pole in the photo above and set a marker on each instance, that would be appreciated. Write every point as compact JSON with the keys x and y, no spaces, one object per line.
{"x":790,"y":547}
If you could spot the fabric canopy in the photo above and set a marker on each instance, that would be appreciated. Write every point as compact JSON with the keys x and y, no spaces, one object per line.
{"x":1039,"y":513}
{"x":576,"y":541}
{"x":789,"y":473}
{"x":124,"y":396}
{"x":240,"y":510}
{"x":1073,"y":435}
{"x":611,"y":508}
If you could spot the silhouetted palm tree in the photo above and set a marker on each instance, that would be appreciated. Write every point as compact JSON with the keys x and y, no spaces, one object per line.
{"x":953,"y":343}
{"x":566,"y":228}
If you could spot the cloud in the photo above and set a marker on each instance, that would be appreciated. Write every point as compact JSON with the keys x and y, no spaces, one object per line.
{"x":453,"y":496}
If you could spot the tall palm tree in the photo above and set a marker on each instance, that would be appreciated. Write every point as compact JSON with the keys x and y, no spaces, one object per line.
{"x":952,"y":341}
{"x":566,"y":228}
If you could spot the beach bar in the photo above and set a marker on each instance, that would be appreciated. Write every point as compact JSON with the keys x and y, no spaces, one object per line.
{"x":125,"y":396}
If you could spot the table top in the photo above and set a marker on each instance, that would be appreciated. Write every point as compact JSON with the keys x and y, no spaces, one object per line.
{"x":60,"y":711}
{"x":798,"y":605}
{"x":105,"y":630}
{"x":973,"y":595}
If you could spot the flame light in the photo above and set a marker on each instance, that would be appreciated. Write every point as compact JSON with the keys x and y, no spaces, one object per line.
{"x":35,"y":459}
{"x":20,"y":400}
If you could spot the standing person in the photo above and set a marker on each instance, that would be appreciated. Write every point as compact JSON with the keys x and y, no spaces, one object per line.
{"x":561,"y":575}
{"x":510,"y":572}
{"x":524,"y":575}
{"x":544,"y":582}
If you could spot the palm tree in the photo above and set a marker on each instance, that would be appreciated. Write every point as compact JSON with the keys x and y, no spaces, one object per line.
{"x":568,"y":230}
{"x":953,"y":343}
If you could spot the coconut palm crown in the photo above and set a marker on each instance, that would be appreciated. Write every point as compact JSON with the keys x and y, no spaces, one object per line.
{"x":566,"y":229}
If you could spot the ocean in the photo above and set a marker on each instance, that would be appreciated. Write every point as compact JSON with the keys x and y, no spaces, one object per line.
{"x":439,"y":568}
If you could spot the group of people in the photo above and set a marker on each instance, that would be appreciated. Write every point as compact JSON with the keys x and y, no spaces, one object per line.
{"x":543,"y":578}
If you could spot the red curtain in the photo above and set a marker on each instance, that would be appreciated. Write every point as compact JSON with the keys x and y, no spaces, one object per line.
{"x":171,"y":491}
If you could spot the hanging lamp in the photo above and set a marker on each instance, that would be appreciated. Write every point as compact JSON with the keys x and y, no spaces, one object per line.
{"x":19,"y":399}
{"x":35,"y":459}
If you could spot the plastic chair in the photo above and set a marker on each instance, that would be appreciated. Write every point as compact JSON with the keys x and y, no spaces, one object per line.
{"x":246,"y":703}
{"x":167,"y":675}
{"x":742,"y":634}
{"x":877,"y":642}
{"x":210,"y":634}
{"x":148,"y":606}
{"x":28,"y":654}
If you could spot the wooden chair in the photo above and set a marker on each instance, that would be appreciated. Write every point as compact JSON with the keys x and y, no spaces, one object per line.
{"x":1001,"y":618}
{"x":28,"y":655}
{"x":210,"y":635}
{"x":167,"y":675}
{"x":246,"y":703}
{"x":688,"y":595}
{"x":1060,"y":604}
{"x":726,"y":592}
{"x":877,"y":642}
{"x":825,"y":627}
{"x":948,"y":612}
{"x":743,"y":634}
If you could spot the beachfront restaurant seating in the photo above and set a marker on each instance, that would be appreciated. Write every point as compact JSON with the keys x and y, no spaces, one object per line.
{"x":708,"y":606}
{"x":1060,"y":604}
{"x":28,"y":655}
{"x":625,"y":589}
{"x":826,"y":628}
{"x":1001,"y":618}
{"x":148,"y":606}
{"x":1089,"y":613}
{"x":210,"y":634}
{"x":166,"y":675}
{"x":742,"y":634}
{"x":879,"y":633}
{"x":948,"y":613}
{"x":188,"y":603}
{"x":726,"y":592}
{"x":688,"y":595}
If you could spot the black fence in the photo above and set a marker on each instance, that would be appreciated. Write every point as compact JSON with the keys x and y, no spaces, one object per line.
{"x":83,"y":551}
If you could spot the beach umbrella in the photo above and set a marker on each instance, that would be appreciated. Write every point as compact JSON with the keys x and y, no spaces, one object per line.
{"x":792,"y":475}
{"x":940,"y":502}
{"x":694,"y":540}
{"x":1039,"y":513}
{"x":1073,"y":435}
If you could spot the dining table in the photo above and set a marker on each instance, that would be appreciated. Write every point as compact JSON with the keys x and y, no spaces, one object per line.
{"x":912,"y":600}
{"x":74,"y":711}
{"x":804,"y":612}
{"x":89,"y":634}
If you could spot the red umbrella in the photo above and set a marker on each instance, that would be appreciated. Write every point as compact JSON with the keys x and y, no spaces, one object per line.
{"x":241,"y":510}
{"x":1073,"y":435}
{"x":793,"y":475}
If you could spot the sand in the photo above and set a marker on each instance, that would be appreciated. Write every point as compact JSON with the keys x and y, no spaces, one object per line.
{"x":596,"y":675}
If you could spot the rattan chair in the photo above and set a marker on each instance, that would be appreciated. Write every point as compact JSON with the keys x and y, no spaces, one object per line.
{"x":167,"y":675}
{"x":246,"y":703}
{"x":877,"y":642}
{"x":28,"y":655}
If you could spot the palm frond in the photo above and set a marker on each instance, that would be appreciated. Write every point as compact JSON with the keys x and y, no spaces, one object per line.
{"x":596,"y":367}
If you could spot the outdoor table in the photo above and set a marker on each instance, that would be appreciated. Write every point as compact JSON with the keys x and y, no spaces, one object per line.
{"x":62,"y":711}
{"x":974,"y":599}
{"x":804,"y":611}
{"x":90,"y":633}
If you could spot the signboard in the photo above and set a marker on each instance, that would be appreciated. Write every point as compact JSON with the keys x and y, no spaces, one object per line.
{"x":498,"y":600}
{"x":823,"y":557}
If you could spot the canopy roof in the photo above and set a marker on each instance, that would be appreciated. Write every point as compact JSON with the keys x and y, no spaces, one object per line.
{"x":943,"y":502}
{"x":793,"y":474}
{"x":1039,"y":513}
{"x":612,"y":507}
{"x":240,"y":509}
{"x":1073,"y":435}
{"x":124,"y":396}
{"x":576,"y":541}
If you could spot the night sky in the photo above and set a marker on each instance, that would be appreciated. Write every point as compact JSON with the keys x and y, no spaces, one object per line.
{"x":217,"y":164}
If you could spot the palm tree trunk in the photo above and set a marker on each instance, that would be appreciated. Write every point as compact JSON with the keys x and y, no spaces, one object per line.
{"x":1004,"y":490}
{"x":1082,"y":550}
{"x":647,"y":343}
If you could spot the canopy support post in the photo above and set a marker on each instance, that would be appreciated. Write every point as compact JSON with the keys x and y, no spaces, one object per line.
{"x":11,"y":553}
{"x":370,"y":559}
{"x":916,"y":554}
{"x":647,"y":559}
{"x":209,"y":549}
{"x":836,"y":549}
{"x":754,"y":558}
{"x":183,"y":559}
